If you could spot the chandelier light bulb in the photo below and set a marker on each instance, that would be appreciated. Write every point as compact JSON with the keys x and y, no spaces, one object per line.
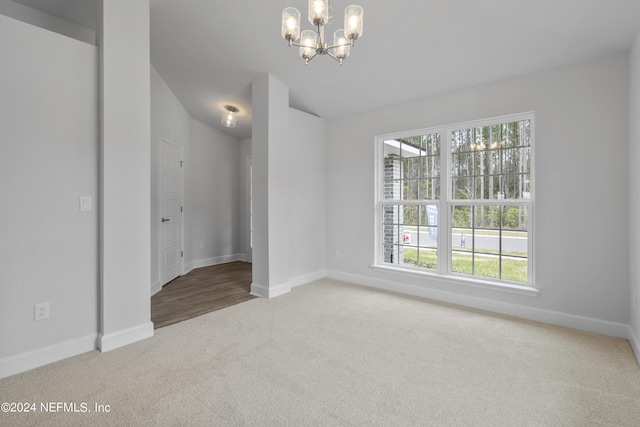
{"x":291,"y":24}
{"x":308,"y":45}
{"x":343,"y":45}
{"x":318,"y":12}
{"x":353,"y":21}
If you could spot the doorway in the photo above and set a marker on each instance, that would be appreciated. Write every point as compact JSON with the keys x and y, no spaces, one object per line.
{"x":201,"y":291}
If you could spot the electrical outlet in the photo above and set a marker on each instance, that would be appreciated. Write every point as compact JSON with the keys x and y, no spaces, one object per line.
{"x":202,"y":244}
{"x":42,"y":311}
{"x":338,"y":253}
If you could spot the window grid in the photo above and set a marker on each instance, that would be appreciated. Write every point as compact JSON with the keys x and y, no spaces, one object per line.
{"x":411,"y":177}
{"x":497,"y":250}
{"x":411,"y":235}
{"x":488,"y":167}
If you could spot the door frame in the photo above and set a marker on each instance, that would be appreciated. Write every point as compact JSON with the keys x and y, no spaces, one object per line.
{"x":159,"y":210}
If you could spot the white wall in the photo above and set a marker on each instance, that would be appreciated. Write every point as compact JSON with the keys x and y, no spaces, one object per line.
{"x":245,"y":207}
{"x":306,"y":215}
{"x":48,"y":249}
{"x":634,"y":194}
{"x":581,"y":192}
{"x":307,"y":189}
{"x":213,"y":186}
{"x":171,"y":122}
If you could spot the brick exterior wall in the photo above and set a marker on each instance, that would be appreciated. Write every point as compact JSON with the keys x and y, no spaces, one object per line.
{"x":392,"y":214}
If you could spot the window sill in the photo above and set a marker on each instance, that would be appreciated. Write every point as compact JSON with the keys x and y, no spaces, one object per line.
{"x":461,"y":281}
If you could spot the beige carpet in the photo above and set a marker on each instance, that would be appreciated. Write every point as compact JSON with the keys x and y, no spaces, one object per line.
{"x":330,"y":353}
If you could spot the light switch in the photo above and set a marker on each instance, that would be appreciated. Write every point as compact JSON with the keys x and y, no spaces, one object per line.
{"x":86,"y":204}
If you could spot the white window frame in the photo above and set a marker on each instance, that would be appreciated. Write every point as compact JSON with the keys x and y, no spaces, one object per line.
{"x":443,"y":272}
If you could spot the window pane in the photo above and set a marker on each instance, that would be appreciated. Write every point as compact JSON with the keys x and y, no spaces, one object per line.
{"x":487,"y":217}
{"x":516,"y":134}
{"x":410,"y":189}
{"x":391,"y":189}
{"x":409,"y":148}
{"x":515,"y":218}
{"x":392,"y":170}
{"x":462,"y":140}
{"x":429,"y":189}
{"x":462,"y":239}
{"x":409,"y":214}
{"x":428,"y":227}
{"x":461,"y":262}
{"x":411,"y":167}
{"x":431,"y":144}
{"x":463,"y":187}
{"x":496,"y":160}
{"x":428,"y":258}
{"x":390,"y":253}
{"x":462,"y":164}
{"x":461,"y":217}
{"x":486,"y":266}
{"x":515,"y":243}
{"x":391,"y":148}
{"x":390,"y":233}
{"x":430,"y":166}
{"x":408,"y":256}
{"x":494,"y":237}
{"x":514,"y":269}
{"x":390,"y":214}
{"x":461,"y":231}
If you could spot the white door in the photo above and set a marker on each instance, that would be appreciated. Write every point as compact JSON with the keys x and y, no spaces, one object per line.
{"x":171,"y":210}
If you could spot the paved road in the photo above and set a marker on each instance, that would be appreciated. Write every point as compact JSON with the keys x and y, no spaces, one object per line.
{"x":509,"y":244}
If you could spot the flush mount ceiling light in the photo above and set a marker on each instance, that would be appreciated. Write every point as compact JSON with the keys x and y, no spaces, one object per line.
{"x":313,"y":42}
{"x":229,"y":116}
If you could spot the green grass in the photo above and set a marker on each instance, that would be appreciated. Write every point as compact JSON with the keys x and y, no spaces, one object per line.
{"x":491,"y":251}
{"x":485,"y":232}
{"x":513,"y":269}
{"x":478,"y":231}
{"x":428,"y":258}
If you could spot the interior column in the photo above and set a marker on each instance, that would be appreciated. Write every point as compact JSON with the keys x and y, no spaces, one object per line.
{"x":271,"y":187}
{"x":123,"y":38}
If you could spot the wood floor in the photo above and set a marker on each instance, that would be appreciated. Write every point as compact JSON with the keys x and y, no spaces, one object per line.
{"x":201,"y":291}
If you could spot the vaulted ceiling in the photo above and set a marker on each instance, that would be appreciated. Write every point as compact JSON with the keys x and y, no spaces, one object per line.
{"x":209,"y":51}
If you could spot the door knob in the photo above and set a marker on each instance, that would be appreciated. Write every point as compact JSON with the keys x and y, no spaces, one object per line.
{"x":165,"y":219}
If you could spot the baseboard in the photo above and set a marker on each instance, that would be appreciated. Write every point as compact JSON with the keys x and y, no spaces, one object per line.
{"x":127,"y":336}
{"x":635,"y":344}
{"x":199,"y":263}
{"x":307,"y":278}
{"x":582,"y":323}
{"x":156,"y":287}
{"x":187,"y":268}
{"x":43,"y":356}
{"x":207,"y":262}
{"x":270,"y":291}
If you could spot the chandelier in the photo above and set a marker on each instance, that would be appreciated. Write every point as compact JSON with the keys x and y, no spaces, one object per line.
{"x":313,"y":42}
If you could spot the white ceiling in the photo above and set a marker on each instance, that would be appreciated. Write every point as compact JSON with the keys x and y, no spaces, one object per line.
{"x":82,"y":12}
{"x":208,"y":51}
